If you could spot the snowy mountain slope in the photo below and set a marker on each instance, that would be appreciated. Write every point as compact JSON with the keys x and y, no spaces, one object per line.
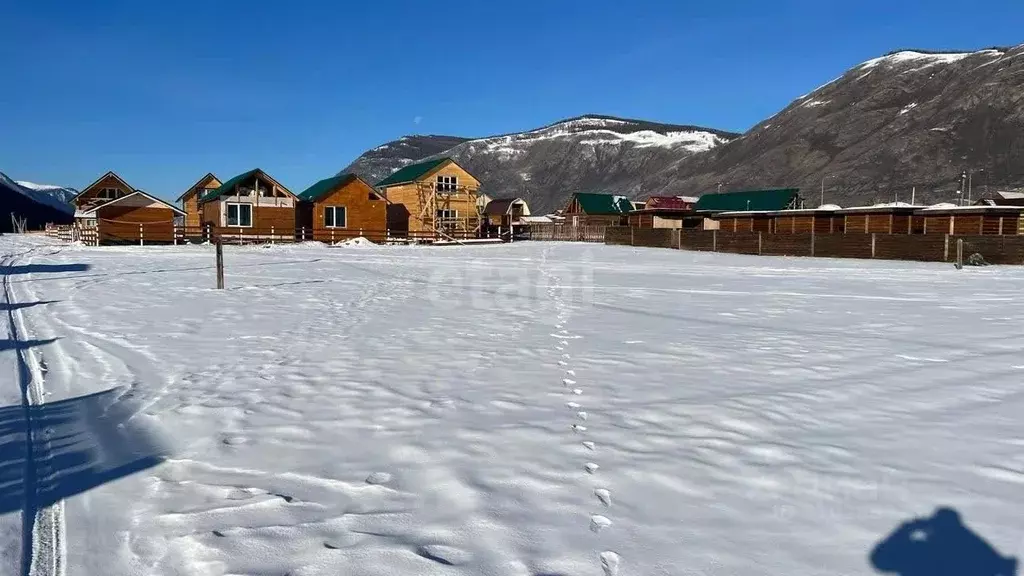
{"x":49,"y":196}
{"x":907,"y":119}
{"x":517,"y":410}
{"x":62,"y":193}
{"x":374,"y":165}
{"x":593,"y":152}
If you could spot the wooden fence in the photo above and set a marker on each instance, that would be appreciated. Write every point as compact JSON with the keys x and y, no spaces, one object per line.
{"x":933,"y":247}
{"x":164,"y":233}
{"x":567,"y":233}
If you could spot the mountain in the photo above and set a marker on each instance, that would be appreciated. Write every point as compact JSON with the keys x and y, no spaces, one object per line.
{"x":40,"y":195}
{"x":34,"y":207}
{"x":909,"y":119}
{"x":377,"y":163}
{"x":544,"y":166}
{"x":61,"y":193}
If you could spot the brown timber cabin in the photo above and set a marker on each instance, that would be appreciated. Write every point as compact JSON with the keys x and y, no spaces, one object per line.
{"x":251,"y":205}
{"x":341,"y":207}
{"x":108,"y":187}
{"x":890,"y":218}
{"x":435,"y":195}
{"x":190,"y":199}
{"x":136,"y":218}
{"x":981,"y":220}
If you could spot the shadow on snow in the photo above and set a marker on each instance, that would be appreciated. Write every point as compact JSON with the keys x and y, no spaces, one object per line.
{"x":77,"y":444}
{"x":43,"y":268}
{"x":939,"y":545}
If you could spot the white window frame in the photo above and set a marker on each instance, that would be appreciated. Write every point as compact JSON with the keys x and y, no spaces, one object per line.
{"x":445,"y":215}
{"x":334,"y":216}
{"x":447,"y":184}
{"x":227,"y":209}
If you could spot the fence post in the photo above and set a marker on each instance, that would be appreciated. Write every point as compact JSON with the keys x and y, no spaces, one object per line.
{"x":632,"y":240}
{"x":272,"y":236}
{"x":758,"y":243}
{"x":220,"y":264}
{"x":945,"y":249}
{"x":174,"y":235}
{"x":141,"y":241}
{"x":812,"y":243}
{"x":714,"y":240}
{"x":959,"y":253}
{"x":873,"y":234}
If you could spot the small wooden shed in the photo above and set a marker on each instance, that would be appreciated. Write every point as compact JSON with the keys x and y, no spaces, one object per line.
{"x":136,"y":218}
{"x":341,"y":207}
{"x":888,"y":218}
{"x":972,"y":220}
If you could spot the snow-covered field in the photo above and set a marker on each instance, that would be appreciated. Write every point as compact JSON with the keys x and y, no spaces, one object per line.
{"x":501,"y":410}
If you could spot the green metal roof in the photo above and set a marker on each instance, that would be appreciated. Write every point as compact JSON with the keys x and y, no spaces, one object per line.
{"x":777,"y":199}
{"x":411,"y":172}
{"x":603,"y":204}
{"x":325,"y":186}
{"x":228,"y":186}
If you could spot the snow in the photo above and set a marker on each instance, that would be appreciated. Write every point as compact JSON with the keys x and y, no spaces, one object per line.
{"x":815,"y":103}
{"x":908,"y":108}
{"x":691,"y":141}
{"x":920,"y":59}
{"x":405,"y":411}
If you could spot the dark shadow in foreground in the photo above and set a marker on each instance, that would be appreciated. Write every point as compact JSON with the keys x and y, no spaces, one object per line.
{"x":44,"y":268}
{"x":939,"y":546}
{"x":78,"y":444}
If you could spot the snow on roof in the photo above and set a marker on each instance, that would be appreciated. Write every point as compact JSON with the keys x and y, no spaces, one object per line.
{"x":947,"y":207}
{"x":884,"y":206}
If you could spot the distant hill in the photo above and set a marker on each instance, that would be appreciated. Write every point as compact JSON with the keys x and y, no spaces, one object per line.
{"x":911,"y":118}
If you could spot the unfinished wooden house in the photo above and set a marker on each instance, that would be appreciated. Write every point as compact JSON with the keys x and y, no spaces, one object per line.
{"x":590,"y":209}
{"x":190,"y":199}
{"x":433,"y":197}
{"x":250,"y":206}
{"x":342,"y":207}
{"x":108,"y":187}
{"x":136,"y":218}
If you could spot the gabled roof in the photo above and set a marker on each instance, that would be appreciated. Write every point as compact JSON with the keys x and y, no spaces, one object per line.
{"x":670,"y":203}
{"x":209,"y":176}
{"x":746,"y":200}
{"x":229,"y":186}
{"x":412,"y":172}
{"x":328,"y":185}
{"x":602,"y":204}
{"x":92,"y":211}
{"x":101,"y":179}
{"x":501,"y":206}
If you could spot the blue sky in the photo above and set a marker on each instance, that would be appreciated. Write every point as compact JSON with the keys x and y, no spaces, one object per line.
{"x":163,"y":92}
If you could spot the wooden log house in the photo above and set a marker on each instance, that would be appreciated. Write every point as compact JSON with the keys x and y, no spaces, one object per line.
{"x":250,"y":206}
{"x":107,"y":187}
{"x":674,"y":212}
{"x":136,"y":218}
{"x":597,"y":209}
{"x":341,"y":207}
{"x":432,"y":197}
{"x":191,"y":197}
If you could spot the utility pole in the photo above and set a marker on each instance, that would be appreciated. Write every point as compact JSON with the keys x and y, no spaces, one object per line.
{"x":970,"y":178}
{"x":719,"y":187}
{"x":822,"y":203}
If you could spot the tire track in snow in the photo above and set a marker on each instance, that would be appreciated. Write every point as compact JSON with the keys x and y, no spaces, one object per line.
{"x":43,"y":545}
{"x":609,"y":560}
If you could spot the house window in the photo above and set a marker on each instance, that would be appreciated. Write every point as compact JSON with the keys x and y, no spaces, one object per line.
{"x":109,"y":193}
{"x":447,"y":183}
{"x":239,"y":215}
{"x":335,"y":217}
{"x":447,"y":215}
